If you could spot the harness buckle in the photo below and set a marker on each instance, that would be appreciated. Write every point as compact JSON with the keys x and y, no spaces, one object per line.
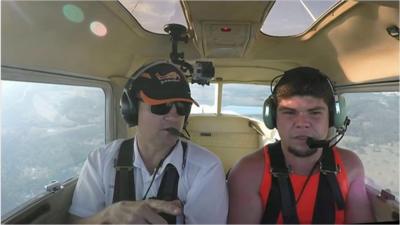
{"x":122,"y":167}
{"x":327,"y":171}
{"x":279,"y":173}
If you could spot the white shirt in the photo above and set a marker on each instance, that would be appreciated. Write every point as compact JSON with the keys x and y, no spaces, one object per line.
{"x":202,"y":187}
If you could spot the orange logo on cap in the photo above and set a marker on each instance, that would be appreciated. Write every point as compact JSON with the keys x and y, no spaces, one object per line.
{"x":146,"y":75}
{"x":169,"y":77}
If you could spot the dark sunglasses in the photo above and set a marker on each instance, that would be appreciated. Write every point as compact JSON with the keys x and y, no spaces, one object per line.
{"x":182,"y":108}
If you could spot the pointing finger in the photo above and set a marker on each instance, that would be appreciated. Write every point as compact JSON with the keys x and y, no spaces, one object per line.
{"x":169,"y":207}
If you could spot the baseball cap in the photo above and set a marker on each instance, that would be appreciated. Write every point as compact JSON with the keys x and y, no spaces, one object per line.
{"x":161,"y":83}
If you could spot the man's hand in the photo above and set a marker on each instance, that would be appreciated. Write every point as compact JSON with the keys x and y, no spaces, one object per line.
{"x":136,"y":212}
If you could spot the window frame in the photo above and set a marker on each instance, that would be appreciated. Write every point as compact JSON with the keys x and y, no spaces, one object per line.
{"x":10,"y":73}
{"x":369,"y":87}
{"x":385,"y":86}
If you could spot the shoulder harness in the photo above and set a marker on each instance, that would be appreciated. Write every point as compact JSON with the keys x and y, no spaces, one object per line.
{"x":281,"y":196}
{"x":124,"y":187}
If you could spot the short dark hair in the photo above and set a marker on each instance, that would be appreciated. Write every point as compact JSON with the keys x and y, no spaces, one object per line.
{"x":305,"y":81}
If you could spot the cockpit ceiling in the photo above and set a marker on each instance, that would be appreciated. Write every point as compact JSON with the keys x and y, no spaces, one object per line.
{"x":240,"y":11}
{"x":351,"y":45}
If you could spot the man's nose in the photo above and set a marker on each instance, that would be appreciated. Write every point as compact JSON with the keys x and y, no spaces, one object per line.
{"x":173,"y":114}
{"x":302,"y":120}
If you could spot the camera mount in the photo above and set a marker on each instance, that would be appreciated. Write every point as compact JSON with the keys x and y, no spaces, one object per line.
{"x":178,"y":33}
{"x":202,"y":71}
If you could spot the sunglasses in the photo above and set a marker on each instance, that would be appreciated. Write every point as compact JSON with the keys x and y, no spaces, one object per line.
{"x":182,"y":108}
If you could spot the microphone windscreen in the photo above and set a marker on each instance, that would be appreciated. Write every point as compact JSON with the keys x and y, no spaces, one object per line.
{"x":176,"y":132}
{"x":312,"y":143}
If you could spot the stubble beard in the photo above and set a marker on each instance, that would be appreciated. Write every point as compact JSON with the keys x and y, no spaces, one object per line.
{"x":302,"y":154}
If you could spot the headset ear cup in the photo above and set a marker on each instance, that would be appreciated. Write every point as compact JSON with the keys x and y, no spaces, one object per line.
{"x":129,"y":109}
{"x":134,"y":114}
{"x":129,"y":105}
{"x":269,"y":111}
{"x":340,"y":112}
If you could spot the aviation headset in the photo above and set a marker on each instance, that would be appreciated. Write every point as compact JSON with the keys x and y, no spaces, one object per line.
{"x":129,"y":102}
{"x":337,"y":106}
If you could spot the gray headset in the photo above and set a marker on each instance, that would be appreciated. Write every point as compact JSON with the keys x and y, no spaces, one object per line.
{"x":337,"y":111}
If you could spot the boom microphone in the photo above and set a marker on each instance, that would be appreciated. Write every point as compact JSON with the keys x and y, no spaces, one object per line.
{"x":313,"y":143}
{"x":176,"y":132}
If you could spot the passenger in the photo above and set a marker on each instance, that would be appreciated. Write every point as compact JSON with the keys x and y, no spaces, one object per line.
{"x":289,"y":181}
{"x":157,"y":99}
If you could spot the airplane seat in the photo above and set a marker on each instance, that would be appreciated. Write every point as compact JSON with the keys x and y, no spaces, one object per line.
{"x":230,"y":137}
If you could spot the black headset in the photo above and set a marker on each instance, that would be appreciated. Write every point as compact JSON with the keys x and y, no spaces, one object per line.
{"x":129,"y":103}
{"x":337,"y":111}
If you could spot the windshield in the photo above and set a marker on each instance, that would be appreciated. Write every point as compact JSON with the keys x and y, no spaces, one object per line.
{"x":244,"y":99}
{"x":237,"y":99}
{"x":205,"y":96}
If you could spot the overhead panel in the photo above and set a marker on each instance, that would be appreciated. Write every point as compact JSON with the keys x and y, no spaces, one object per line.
{"x":225,"y":39}
{"x":240,"y":18}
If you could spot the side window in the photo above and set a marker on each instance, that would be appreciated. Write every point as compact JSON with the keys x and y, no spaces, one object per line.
{"x":244,"y":99}
{"x":374,"y":135}
{"x":205,"y":96}
{"x":47,"y":131}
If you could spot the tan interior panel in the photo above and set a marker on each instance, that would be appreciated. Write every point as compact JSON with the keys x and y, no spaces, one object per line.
{"x":229,"y":137}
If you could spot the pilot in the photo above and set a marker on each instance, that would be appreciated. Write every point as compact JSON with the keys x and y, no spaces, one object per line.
{"x":302,"y":178}
{"x":155,"y":177}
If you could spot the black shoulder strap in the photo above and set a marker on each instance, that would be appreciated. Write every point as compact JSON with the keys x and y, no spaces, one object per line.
{"x":281,"y":196}
{"x":329,"y":169}
{"x":328,"y":190}
{"x":168,"y":189}
{"x":124,"y":187}
{"x":184,"y":156}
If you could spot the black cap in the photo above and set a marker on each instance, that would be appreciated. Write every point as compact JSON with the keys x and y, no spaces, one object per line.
{"x":163,"y":83}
